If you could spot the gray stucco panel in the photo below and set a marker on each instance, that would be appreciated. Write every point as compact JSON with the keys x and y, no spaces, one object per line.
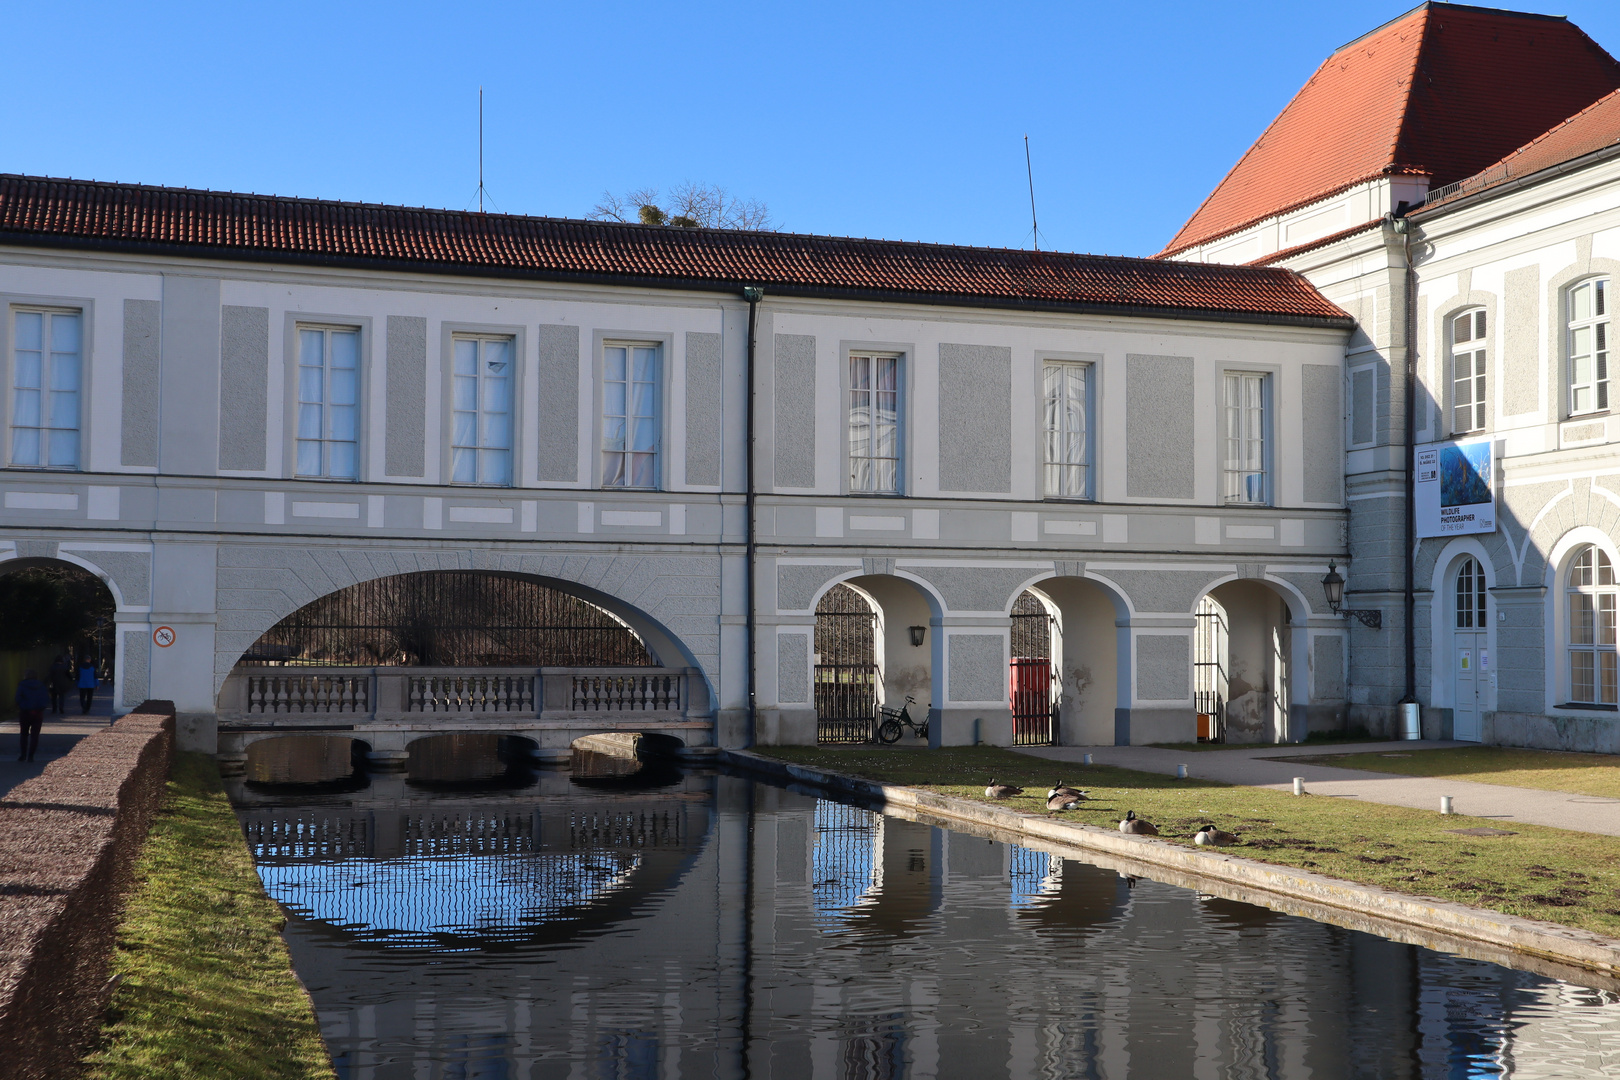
{"x":1158,"y":427}
{"x":792,"y":668}
{"x":1521,"y":331}
{"x":797,"y":584}
{"x":1162,"y":670}
{"x":1329,"y":668}
{"x":244,"y":386}
{"x":970,"y":588}
{"x":559,"y":403}
{"x":140,"y":411}
{"x":1164,"y":590}
{"x":975,"y":418}
{"x":795,"y":410}
{"x":978,"y":667}
{"x":136,"y":679}
{"x":1363,"y":406}
{"x":702,"y":408}
{"x":131,"y":571}
{"x":1324,"y":426}
{"x":406,"y":441}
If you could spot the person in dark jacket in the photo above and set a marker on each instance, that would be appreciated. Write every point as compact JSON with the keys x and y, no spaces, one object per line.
{"x":57,"y":682}
{"x":32,"y":699}
{"x":87,"y":685}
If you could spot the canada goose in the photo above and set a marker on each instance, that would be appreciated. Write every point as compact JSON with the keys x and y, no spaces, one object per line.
{"x":1210,"y":836}
{"x":1064,"y":800}
{"x":1060,"y":788}
{"x":1136,"y":826}
{"x":1001,"y":791}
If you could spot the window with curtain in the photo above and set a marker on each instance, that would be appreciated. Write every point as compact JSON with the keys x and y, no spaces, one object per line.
{"x":1589,"y":346}
{"x":1066,"y":431}
{"x":630,"y":416}
{"x":1471,"y":595}
{"x":481,"y":421}
{"x":45,"y":373}
{"x":1593,"y":674}
{"x":1468,"y":410}
{"x":328,"y":402}
{"x":1245,"y":438}
{"x":874,"y":423}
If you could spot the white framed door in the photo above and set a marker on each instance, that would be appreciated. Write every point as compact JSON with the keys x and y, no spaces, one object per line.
{"x":1470,"y":680}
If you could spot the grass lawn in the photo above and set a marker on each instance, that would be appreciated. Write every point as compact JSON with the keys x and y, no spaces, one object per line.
{"x":1549,"y":770}
{"x":1564,"y":877}
{"x":208,"y":988}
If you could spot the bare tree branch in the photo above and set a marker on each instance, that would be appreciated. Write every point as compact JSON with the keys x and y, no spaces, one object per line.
{"x":690,"y":205}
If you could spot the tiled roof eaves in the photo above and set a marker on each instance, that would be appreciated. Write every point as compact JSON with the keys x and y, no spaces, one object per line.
{"x":1300,"y":249}
{"x":661,"y":281}
{"x":1459,"y":199}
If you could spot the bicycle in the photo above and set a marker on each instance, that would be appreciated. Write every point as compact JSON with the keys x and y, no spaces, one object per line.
{"x":895,"y":721}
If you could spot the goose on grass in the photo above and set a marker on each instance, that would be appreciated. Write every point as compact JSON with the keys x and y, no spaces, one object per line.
{"x":1135,"y":826}
{"x":1210,"y":836}
{"x":1001,"y":791}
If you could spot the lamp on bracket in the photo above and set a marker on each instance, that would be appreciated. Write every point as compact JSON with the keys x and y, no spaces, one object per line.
{"x":917,"y":635}
{"x":1333,"y":586}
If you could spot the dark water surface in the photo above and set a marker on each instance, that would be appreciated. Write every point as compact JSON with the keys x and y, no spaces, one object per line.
{"x":709,"y":926}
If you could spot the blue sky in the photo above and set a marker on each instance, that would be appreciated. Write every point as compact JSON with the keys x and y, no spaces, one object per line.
{"x":896,"y":120}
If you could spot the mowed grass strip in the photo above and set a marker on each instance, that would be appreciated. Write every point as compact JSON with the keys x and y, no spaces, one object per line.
{"x":1540,"y":873}
{"x":208,"y":988}
{"x":1548,"y":770}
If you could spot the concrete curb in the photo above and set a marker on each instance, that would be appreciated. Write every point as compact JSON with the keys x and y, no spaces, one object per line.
{"x":1544,"y":948}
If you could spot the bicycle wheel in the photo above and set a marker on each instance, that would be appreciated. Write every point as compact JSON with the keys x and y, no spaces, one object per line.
{"x":922,"y":730}
{"x":889,"y":731}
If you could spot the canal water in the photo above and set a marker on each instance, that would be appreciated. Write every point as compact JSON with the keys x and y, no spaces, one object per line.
{"x":684,"y":924}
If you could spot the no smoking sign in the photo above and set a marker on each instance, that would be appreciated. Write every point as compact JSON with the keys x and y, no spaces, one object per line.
{"x":163,"y":637}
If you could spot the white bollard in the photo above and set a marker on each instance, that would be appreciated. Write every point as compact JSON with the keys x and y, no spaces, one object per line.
{"x":1181,"y":772}
{"x":1299,"y":785}
{"x":1086,"y":760}
{"x":1445,"y":804}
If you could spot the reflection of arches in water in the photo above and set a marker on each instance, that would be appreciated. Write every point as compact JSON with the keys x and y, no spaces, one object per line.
{"x":845,"y":863}
{"x":1073,"y":896}
{"x":473,"y":877}
{"x":1035,"y":875}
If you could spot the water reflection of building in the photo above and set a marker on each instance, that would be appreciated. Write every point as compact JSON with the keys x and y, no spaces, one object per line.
{"x":790,"y":937}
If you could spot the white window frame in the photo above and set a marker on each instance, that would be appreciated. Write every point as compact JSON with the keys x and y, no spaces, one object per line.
{"x":1472,"y":595}
{"x":1253,"y":443}
{"x":1067,"y":466}
{"x":1588,"y":394}
{"x":47,"y":373}
{"x":619,"y":452}
{"x":324,"y":440}
{"x":484,"y":447}
{"x":1592,"y":608}
{"x":864,"y":470}
{"x":1467,"y":372}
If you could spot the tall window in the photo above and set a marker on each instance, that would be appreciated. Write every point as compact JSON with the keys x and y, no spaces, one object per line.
{"x":1471,"y":596}
{"x":1468,"y":372}
{"x":1246,"y":420}
{"x":481,"y":442}
{"x":874,"y":423}
{"x":1589,"y":346}
{"x":328,"y":402}
{"x":45,"y":390}
{"x":630,"y":416}
{"x":1593,"y":677}
{"x":1068,"y":406}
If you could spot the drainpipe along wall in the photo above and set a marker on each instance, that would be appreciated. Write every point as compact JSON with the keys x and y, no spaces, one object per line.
{"x":752,"y":294}
{"x":1404,"y":228}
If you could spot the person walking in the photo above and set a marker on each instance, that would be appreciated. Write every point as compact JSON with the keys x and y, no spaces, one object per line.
{"x":87,"y":685}
{"x":57,"y":682}
{"x":32,"y":699}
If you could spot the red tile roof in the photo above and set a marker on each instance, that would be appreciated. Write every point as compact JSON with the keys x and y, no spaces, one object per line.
{"x":1443,"y":91}
{"x":1594,"y":128}
{"x":35,"y":210}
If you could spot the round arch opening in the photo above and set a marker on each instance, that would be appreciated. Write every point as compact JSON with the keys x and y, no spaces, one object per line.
{"x":60,"y":618}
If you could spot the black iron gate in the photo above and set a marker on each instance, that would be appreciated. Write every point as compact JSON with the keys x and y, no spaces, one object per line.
{"x":1209,"y":671}
{"x":846,"y":668}
{"x":1033,"y":676}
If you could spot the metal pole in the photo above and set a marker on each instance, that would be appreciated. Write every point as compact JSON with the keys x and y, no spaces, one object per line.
{"x":1029,"y":170}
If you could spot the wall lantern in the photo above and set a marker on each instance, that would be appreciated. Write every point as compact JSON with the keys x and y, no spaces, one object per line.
{"x":917,"y":635}
{"x":1333,"y":586}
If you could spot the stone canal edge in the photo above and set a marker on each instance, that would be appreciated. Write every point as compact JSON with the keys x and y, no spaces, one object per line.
{"x":1544,"y":948}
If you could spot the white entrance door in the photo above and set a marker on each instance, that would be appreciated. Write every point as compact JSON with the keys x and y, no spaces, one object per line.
{"x":1470,"y":682}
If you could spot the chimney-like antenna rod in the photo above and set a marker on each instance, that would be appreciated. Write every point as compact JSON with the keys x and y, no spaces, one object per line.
{"x":1034,"y":228}
{"x":481,"y":154}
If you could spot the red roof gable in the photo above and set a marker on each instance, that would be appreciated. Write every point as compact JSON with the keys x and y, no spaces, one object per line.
{"x":1442,"y":92}
{"x":36,"y":210}
{"x":1594,"y":128}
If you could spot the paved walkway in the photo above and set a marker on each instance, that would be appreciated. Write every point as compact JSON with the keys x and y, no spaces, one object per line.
{"x":1269,"y":767}
{"x":56,"y":738}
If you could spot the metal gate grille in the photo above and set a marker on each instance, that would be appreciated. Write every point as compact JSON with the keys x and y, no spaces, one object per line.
{"x":1209,"y":671}
{"x":450,"y":618}
{"x":1033,"y":675}
{"x":846,"y":668}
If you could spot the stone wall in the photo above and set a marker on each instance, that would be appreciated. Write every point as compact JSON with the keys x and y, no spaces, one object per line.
{"x":68,"y":840}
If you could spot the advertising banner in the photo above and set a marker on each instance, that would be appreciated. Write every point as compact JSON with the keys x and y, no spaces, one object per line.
{"x":1455,"y":488}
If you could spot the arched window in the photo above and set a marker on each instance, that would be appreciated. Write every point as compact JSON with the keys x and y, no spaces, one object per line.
{"x":1594,"y":674}
{"x":1589,"y":347}
{"x":1471,"y":596}
{"x":1468,"y":410}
